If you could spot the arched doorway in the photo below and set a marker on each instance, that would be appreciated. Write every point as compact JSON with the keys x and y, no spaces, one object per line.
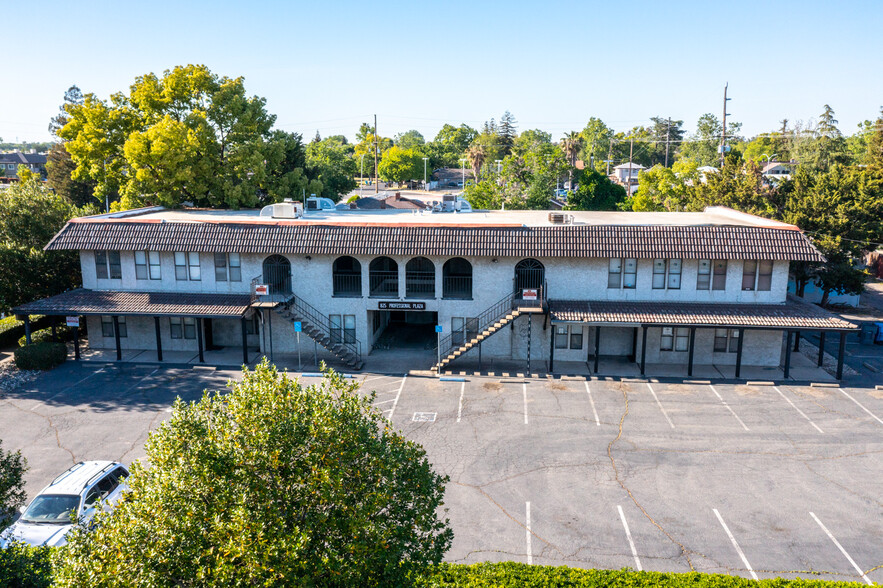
{"x":419,"y":278}
{"x":529,"y":273}
{"x":347,"y":276}
{"x":277,"y":274}
{"x":383,"y":277}
{"x":457,"y":279}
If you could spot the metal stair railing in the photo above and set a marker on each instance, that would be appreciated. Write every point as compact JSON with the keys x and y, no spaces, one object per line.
{"x":486,"y":319}
{"x":320,"y":322}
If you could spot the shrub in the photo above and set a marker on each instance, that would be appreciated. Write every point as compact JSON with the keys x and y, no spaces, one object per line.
{"x":40,"y":356}
{"x":11,"y":328}
{"x":62,"y":333}
{"x":24,"y":566}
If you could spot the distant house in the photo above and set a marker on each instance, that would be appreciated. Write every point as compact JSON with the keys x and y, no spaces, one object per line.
{"x":626,"y":174}
{"x":9,"y":163}
{"x":395,"y":201}
{"x":777,"y":170}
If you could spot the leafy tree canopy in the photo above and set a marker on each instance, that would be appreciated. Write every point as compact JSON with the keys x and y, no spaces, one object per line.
{"x":12,"y":486}
{"x":273,"y":483}
{"x":330,"y":163}
{"x":400,"y":165}
{"x":409,"y":140}
{"x":595,"y":191}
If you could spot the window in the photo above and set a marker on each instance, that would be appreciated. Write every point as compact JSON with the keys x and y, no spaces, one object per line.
{"x":629,"y":277}
{"x":764,"y":275}
{"x":107,"y":265}
{"x":182,"y":328}
{"x":568,"y":336}
{"x":720,"y":340}
{"x":346,"y":276}
{"x":734,"y":341}
{"x":187,"y":266}
{"x":576,"y":337}
{"x":561,"y":337}
{"x":463,"y":329}
{"x":749,"y":274}
{"x":719,"y":281}
{"x":703,"y":276}
{"x":622,"y":273}
{"x":658,"y":274}
{"x":726,"y":340}
{"x":674,"y":339}
{"x":147,"y":265}
{"x":674,"y":274}
{"x":228,"y":267}
{"x":342,"y":328}
{"x":614,"y":273}
{"x":107,"y":326}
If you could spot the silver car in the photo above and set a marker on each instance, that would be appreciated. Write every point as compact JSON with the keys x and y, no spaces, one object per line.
{"x":77,"y":494}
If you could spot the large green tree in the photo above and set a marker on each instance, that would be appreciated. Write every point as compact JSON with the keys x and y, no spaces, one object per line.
{"x":703,"y":144}
{"x":449,"y":145}
{"x":400,"y":165}
{"x":330,"y":163}
{"x":272,"y":483}
{"x":12,"y":486}
{"x":595,"y":191}
{"x":596,"y":141}
{"x":188,"y":135}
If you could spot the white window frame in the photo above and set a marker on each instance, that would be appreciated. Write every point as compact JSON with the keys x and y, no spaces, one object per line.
{"x":148,"y":266}
{"x":188,"y":262}
{"x":745,"y":275}
{"x":764,"y":278}
{"x":718,"y":264}
{"x":104,"y":265}
{"x":703,"y":274}
{"x":231,"y":268}
{"x":108,"y":324}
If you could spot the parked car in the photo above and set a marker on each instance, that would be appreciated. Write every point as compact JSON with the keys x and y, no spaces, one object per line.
{"x":77,"y":494}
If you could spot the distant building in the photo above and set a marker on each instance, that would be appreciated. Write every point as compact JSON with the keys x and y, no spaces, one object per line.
{"x":626,"y":174}
{"x":396,"y":201}
{"x":9,"y":163}
{"x":777,"y":170}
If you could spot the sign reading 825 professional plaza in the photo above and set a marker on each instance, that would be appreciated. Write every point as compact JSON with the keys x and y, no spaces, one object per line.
{"x":395,"y":305}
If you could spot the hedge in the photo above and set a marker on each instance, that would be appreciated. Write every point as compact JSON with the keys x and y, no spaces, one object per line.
{"x":40,"y":356}
{"x":24,"y":566}
{"x":11,"y":328}
{"x":512,"y":574}
{"x":62,"y":333}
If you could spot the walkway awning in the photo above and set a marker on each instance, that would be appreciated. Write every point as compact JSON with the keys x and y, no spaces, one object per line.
{"x":791,"y":315}
{"x":82,"y":302}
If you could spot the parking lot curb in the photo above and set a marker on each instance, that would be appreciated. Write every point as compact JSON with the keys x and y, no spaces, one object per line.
{"x":871,"y":367}
{"x":823,"y":385}
{"x":759,"y":383}
{"x":708,"y":382}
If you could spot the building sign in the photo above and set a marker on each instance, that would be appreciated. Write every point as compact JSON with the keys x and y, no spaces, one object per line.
{"x":73,"y":321}
{"x":529,"y":294}
{"x":393,"y":305}
{"x":262,"y":289}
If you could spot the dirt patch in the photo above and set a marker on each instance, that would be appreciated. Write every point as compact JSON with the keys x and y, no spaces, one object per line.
{"x":493,"y":386}
{"x":876,"y":394}
{"x":743,"y":390}
{"x":815,"y":392}
{"x":629,"y":388}
{"x":557,"y":386}
{"x":679,"y":389}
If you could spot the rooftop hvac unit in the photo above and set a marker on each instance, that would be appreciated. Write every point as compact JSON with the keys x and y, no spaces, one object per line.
{"x":287,"y":209}
{"x":559,"y":218}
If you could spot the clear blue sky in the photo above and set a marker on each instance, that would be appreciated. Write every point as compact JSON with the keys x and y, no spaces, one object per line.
{"x":329,"y":65}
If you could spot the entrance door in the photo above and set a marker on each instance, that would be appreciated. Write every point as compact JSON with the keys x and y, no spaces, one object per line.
{"x":277,"y":274}
{"x":529,"y":273}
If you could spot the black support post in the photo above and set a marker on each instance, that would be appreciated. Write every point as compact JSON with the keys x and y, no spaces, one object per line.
{"x":643,"y":348}
{"x":597,"y":348}
{"x":739,"y":353}
{"x":821,"y":348}
{"x":841,"y":349}
{"x":788,"y":355}
{"x":77,"y":343}
{"x":692,"y":345}
{"x":158,"y":339}
{"x":27,"y":329}
{"x":116,"y":336}
{"x":244,"y":342}
{"x":796,"y":340}
{"x":552,"y":352}
{"x":199,"y":340}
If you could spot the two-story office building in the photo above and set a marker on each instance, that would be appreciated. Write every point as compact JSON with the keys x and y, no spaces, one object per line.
{"x":674,"y":288}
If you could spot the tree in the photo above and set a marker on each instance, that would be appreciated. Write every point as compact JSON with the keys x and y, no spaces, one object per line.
{"x":12,"y":486}
{"x":409,"y":140}
{"x":484,"y":195}
{"x":188,"y":135}
{"x":72,"y":97}
{"x":665,"y":189}
{"x":272,"y":483}
{"x":570,"y":145}
{"x":400,"y":165}
{"x":596,"y":138}
{"x":291,"y":174}
{"x":875,"y":144}
{"x":59,"y":165}
{"x":329,"y":162}
{"x":595,"y":192}
{"x":665,"y":132}
{"x":30,"y":215}
{"x":703,"y":144}
{"x":507,"y":132}
{"x":476,"y":158}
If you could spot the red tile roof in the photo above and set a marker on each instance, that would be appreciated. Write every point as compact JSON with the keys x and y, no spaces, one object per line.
{"x":789,"y":315}
{"x":90,"y":302}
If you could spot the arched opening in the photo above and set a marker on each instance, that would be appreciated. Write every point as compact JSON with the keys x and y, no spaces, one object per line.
{"x":383,"y":277}
{"x":419,"y":278}
{"x":457,"y":279}
{"x":277,"y":274}
{"x":529,"y":274}
{"x":347,"y":276}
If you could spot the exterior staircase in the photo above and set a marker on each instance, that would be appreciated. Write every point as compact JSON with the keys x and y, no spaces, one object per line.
{"x":490,"y":321}
{"x":317,"y":326}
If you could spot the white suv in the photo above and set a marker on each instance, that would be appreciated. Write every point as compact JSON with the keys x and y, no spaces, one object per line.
{"x":81,"y":491}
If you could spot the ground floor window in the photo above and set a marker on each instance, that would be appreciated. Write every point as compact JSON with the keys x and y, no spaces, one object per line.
{"x":568,"y":337}
{"x":463,"y":329}
{"x":674,"y":339}
{"x":342,"y":328}
{"x":182,"y":327}
{"x":107,"y":326}
{"x":726,"y":340}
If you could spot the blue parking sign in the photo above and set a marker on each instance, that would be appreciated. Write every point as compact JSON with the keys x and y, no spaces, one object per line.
{"x":298,"y":327}
{"x":438,"y":328}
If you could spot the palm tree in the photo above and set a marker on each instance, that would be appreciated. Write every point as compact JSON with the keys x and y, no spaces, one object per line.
{"x":571,"y":143}
{"x":475,"y":155}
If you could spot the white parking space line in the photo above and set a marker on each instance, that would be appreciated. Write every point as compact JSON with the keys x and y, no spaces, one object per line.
{"x":736,"y":545}
{"x":527,"y":532}
{"x":524,"y":391}
{"x":724,"y":402}
{"x":861,"y":406}
{"x":592,"y":402}
{"x":665,"y":414}
{"x":776,"y":388}
{"x":398,"y":395}
{"x":840,"y":547}
{"x":374,"y":378}
{"x":460,"y":404}
{"x":628,"y":534}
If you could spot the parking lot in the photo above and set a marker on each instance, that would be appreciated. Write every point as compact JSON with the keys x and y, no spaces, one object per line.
{"x":755,"y":480}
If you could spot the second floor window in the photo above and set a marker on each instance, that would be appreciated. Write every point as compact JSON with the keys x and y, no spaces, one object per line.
{"x":719,"y":281}
{"x":147,"y":265}
{"x":187,"y":266}
{"x":666,"y":274}
{"x":757,"y":275}
{"x":622,"y":273}
{"x":228,"y":267}
{"x":107,"y":265}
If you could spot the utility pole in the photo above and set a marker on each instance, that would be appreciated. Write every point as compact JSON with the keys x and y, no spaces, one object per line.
{"x":609,"y":155}
{"x":376,"y":185}
{"x":724,"y":127}
{"x":667,"y":135}
{"x":631,"y":152}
